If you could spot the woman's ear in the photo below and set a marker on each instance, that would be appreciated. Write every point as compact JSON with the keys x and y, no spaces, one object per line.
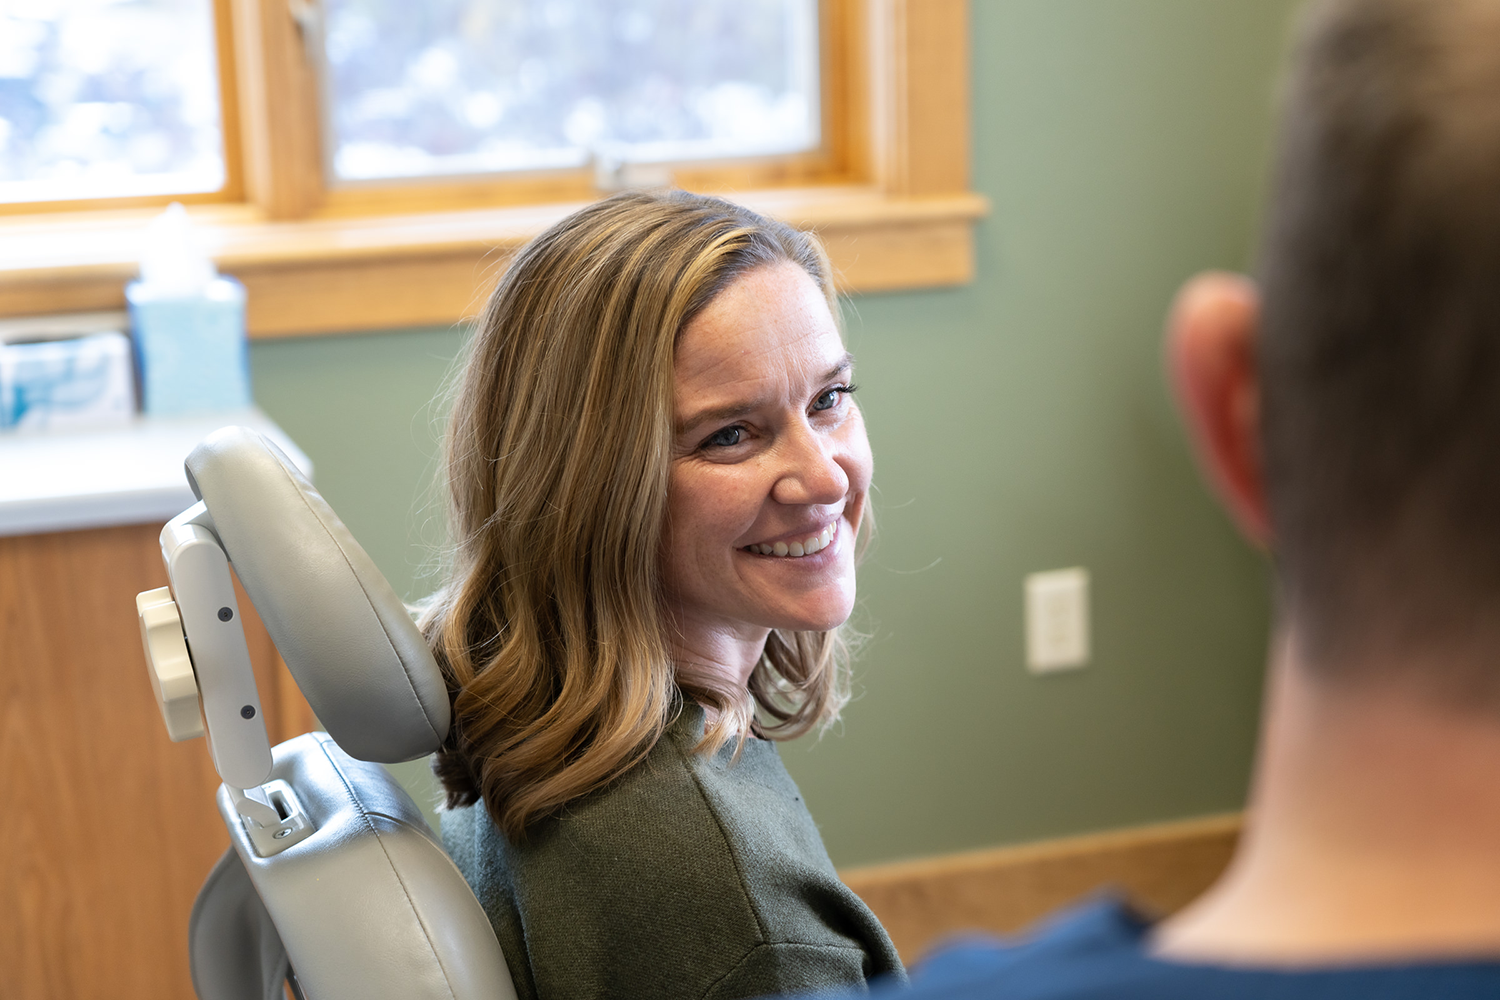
{"x":1210,"y":350}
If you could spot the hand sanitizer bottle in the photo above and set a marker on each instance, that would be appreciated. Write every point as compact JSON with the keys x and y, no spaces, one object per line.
{"x":188,"y":323}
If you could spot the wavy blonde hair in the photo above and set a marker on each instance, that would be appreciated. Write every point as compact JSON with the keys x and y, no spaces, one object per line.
{"x":551,"y":630}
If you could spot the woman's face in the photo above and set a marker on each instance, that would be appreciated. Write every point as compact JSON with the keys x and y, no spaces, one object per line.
{"x":770,"y":465}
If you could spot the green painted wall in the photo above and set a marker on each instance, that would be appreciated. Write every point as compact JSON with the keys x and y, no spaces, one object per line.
{"x":1019,"y":424}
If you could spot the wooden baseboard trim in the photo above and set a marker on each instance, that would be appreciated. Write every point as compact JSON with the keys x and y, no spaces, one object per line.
{"x":1161,"y":868}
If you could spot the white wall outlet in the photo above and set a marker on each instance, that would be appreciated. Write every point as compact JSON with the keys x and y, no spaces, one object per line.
{"x":1057,"y":620}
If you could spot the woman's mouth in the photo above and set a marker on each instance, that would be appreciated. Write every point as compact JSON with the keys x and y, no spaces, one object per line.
{"x":803,"y":547}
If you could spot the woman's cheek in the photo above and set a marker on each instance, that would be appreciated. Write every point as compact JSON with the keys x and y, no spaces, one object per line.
{"x":861,"y":461}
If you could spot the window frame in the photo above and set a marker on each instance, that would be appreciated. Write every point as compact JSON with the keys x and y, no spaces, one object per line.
{"x":889,"y":194}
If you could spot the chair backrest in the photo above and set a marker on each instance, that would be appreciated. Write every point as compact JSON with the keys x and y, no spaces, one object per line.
{"x":344,"y":634}
{"x":368,"y":905}
{"x":364,"y":903}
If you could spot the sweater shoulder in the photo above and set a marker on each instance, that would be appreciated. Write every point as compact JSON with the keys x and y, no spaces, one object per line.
{"x":667,"y":880}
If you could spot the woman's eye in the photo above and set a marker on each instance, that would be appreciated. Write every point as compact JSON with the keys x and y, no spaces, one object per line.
{"x":726,"y":438}
{"x":829,"y":399}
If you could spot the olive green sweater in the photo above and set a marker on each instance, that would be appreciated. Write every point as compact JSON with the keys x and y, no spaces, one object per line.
{"x":688,"y":877}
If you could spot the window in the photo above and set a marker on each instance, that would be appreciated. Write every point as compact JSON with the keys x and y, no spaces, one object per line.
{"x":377,"y":160}
{"x":108,"y":100}
{"x":483,"y":86}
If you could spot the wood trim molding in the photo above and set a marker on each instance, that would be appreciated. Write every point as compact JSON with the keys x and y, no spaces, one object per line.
{"x":921,"y":50}
{"x":311,"y":270}
{"x":280,"y":123}
{"x":1161,"y":868}
{"x":336,"y":275}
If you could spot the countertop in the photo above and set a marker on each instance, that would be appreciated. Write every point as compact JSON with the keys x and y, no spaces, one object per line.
{"x":122,"y":474}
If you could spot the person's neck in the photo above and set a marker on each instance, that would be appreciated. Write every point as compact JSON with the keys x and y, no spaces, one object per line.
{"x":726,"y":654}
{"x":1373,"y":833}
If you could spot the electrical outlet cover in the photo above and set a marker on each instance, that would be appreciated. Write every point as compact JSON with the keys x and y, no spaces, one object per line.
{"x":1057,"y":620}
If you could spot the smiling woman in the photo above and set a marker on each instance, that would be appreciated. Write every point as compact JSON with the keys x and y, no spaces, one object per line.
{"x":656,"y":395}
{"x":770,"y":471}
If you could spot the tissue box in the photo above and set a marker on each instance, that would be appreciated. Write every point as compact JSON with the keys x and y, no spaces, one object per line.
{"x":66,"y":383}
{"x":192,"y":352}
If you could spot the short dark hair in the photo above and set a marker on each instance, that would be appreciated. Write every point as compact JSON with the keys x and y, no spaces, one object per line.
{"x":1380,"y":340}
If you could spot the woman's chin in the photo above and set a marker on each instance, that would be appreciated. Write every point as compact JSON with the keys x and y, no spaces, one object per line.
{"x":816,"y":619}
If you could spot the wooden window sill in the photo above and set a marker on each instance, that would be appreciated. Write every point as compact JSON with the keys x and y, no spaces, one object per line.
{"x":331,"y":275}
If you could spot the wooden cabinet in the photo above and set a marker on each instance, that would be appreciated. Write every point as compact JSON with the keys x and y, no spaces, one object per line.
{"x":107,"y":828}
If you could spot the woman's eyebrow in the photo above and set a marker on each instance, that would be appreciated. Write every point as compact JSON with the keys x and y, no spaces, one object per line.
{"x":714,"y":414}
{"x":740,"y":408}
{"x":845,"y":363}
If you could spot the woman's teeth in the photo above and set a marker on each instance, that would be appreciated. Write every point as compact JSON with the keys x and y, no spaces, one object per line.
{"x":808,"y":546}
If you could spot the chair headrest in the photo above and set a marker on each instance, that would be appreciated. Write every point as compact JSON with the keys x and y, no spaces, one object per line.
{"x":344,"y":634}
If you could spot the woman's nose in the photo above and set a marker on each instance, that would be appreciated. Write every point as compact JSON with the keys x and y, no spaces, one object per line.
{"x":812,"y":473}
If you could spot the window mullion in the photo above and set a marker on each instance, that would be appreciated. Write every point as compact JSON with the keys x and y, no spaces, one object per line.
{"x":279,"y":114}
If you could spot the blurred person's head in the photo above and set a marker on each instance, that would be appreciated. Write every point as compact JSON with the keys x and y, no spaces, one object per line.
{"x":611,"y":488}
{"x":1378,"y":349}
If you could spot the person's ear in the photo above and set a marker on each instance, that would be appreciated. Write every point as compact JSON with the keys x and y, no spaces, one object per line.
{"x":1210,"y":349}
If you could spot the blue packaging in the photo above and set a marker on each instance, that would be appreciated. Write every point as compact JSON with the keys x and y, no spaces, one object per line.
{"x":191,"y":350}
{"x":74,"y":382}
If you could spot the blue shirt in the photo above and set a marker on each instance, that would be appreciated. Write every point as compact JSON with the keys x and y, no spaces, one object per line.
{"x":1098,"y":951}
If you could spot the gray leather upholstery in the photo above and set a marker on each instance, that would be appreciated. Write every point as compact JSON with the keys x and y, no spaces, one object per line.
{"x":369,"y":906}
{"x":233,"y":946}
{"x":345,"y":635}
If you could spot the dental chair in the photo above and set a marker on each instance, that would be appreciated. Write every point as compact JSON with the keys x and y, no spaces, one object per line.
{"x":334,"y":885}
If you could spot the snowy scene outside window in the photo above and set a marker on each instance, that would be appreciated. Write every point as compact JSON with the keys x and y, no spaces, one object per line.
{"x":450,"y":87}
{"x":108,"y":98}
